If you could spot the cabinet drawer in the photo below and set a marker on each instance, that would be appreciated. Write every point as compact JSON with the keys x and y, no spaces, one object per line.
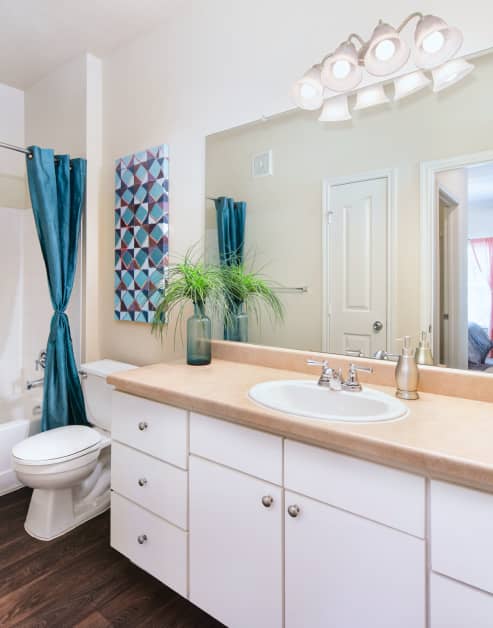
{"x":151,"y":483}
{"x":455,"y":605}
{"x":242,"y":448}
{"x":386,"y":495}
{"x":152,"y":427}
{"x":164,"y":552}
{"x":462,"y":534}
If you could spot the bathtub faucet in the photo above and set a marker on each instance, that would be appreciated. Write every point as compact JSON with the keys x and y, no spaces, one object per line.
{"x":35,"y":383}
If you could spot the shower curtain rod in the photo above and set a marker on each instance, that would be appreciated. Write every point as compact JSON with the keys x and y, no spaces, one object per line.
{"x":18,"y":149}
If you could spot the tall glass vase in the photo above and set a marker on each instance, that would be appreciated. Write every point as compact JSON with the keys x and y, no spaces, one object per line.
{"x":236,"y":327}
{"x":199,"y":335}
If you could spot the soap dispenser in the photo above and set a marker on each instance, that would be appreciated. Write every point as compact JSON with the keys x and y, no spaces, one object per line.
{"x":406,"y":372}
{"x":423,"y":353}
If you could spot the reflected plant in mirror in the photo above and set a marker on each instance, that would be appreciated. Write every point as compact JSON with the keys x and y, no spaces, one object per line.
{"x":247,"y":292}
{"x":385,"y":221}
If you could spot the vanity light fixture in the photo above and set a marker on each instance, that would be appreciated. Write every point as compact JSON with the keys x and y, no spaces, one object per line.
{"x":436,"y":42}
{"x":384,"y":54}
{"x":335,"y":110}
{"x":370,"y":97}
{"x":308,"y":92}
{"x":341,"y":71}
{"x":410,"y":84}
{"x":450,"y":73}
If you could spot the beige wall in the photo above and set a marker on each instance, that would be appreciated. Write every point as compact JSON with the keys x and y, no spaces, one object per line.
{"x":284,"y":215}
{"x":215,"y":65}
{"x":12,"y":167}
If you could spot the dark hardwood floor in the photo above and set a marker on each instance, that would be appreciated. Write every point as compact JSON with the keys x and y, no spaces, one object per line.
{"x":79,"y":581}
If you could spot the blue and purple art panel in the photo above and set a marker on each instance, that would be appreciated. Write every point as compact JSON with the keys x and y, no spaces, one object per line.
{"x":141,"y":232}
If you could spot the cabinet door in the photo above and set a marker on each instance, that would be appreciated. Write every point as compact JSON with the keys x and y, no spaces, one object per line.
{"x":235,"y":546}
{"x":456,"y":605}
{"x":343,"y":571}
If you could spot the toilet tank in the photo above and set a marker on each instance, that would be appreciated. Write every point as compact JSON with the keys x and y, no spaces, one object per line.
{"x":97,"y":393}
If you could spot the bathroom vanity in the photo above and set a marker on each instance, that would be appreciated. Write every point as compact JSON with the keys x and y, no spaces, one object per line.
{"x":265,"y":519}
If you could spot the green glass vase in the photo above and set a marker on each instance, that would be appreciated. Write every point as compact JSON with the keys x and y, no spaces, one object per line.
{"x":199,"y":334}
{"x":236,"y":328}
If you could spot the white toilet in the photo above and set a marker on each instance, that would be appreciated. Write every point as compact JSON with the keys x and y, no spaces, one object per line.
{"x":69,"y":467}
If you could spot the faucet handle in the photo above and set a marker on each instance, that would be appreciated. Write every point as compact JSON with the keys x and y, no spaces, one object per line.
{"x":324,"y":363}
{"x":352,"y":382}
{"x":327,"y":373}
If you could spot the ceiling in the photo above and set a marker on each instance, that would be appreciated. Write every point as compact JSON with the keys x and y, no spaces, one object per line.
{"x":39,"y":35}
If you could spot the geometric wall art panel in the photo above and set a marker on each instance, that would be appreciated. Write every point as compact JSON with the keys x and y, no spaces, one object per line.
{"x":141,"y":232}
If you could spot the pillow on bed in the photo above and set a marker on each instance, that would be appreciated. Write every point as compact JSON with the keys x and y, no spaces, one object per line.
{"x":479,"y":344}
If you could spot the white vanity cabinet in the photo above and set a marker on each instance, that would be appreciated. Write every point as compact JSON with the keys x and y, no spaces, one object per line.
{"x":347,"y":563}
{"x":461,"y":592}
{"x":262,"y":531}
{"x":235,"y":546}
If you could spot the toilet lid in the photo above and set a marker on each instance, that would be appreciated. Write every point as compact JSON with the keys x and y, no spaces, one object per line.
{"x":61,"y":442}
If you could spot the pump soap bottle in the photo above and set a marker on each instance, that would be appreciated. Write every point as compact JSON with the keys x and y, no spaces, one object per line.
{"x":406,"y":372}
{"x":423,"y":353}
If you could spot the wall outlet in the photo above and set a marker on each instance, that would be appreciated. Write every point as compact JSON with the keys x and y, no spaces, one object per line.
{"x":262,"y":164}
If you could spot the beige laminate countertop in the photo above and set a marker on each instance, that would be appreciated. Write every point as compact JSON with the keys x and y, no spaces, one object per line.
{"x":443,"y":437}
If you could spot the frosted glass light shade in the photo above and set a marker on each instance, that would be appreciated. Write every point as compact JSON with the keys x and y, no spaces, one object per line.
{"x":370,"y":97}
{"x":386,"y":51}
{"x":308,"y":91}
{"x":341,"y":71}
{"x":335,"y":110}
{"x":450,"y":73}
{"x":410,"y":84}
{"x":436,"y":42}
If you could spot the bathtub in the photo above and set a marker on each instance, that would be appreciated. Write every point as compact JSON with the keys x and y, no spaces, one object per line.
{"x":12,"y":431}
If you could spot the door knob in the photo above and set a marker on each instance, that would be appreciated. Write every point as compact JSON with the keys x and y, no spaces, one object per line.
{"x":377,"y":326}
{"x":267,"y":501}
{"x":294,"y":510}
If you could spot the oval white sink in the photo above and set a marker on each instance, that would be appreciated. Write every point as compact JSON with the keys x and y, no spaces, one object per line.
{"x":308,"y":399}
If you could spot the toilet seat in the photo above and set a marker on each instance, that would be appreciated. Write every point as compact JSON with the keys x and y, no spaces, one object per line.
{"x":59,"y":445}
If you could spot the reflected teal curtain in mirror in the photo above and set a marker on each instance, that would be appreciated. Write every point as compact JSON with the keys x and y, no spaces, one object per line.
{"x":57,"y":188}
{"x":231,"y":217}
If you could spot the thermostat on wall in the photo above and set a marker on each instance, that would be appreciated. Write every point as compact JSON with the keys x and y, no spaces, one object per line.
{"x":262,"y":164}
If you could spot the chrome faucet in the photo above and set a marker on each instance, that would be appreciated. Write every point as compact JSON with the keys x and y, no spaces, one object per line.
{"x":351,"y":383}
{"x":330,"y":378}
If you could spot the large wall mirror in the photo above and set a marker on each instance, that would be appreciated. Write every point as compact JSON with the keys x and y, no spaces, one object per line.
{"x":375,"y":228}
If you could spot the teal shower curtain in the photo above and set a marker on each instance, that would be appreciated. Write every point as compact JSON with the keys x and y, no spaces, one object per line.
{"x":231,"y":218}
{"x":57,"y":188}
{"x":230,"y":230}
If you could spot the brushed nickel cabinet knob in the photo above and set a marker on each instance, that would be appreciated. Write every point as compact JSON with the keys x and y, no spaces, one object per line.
{"x":267,"y":501}
{"x":141,"y":539}
{"x":143,"y":426}
{"x":142,"y":482}
{"x":293,"y":510}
